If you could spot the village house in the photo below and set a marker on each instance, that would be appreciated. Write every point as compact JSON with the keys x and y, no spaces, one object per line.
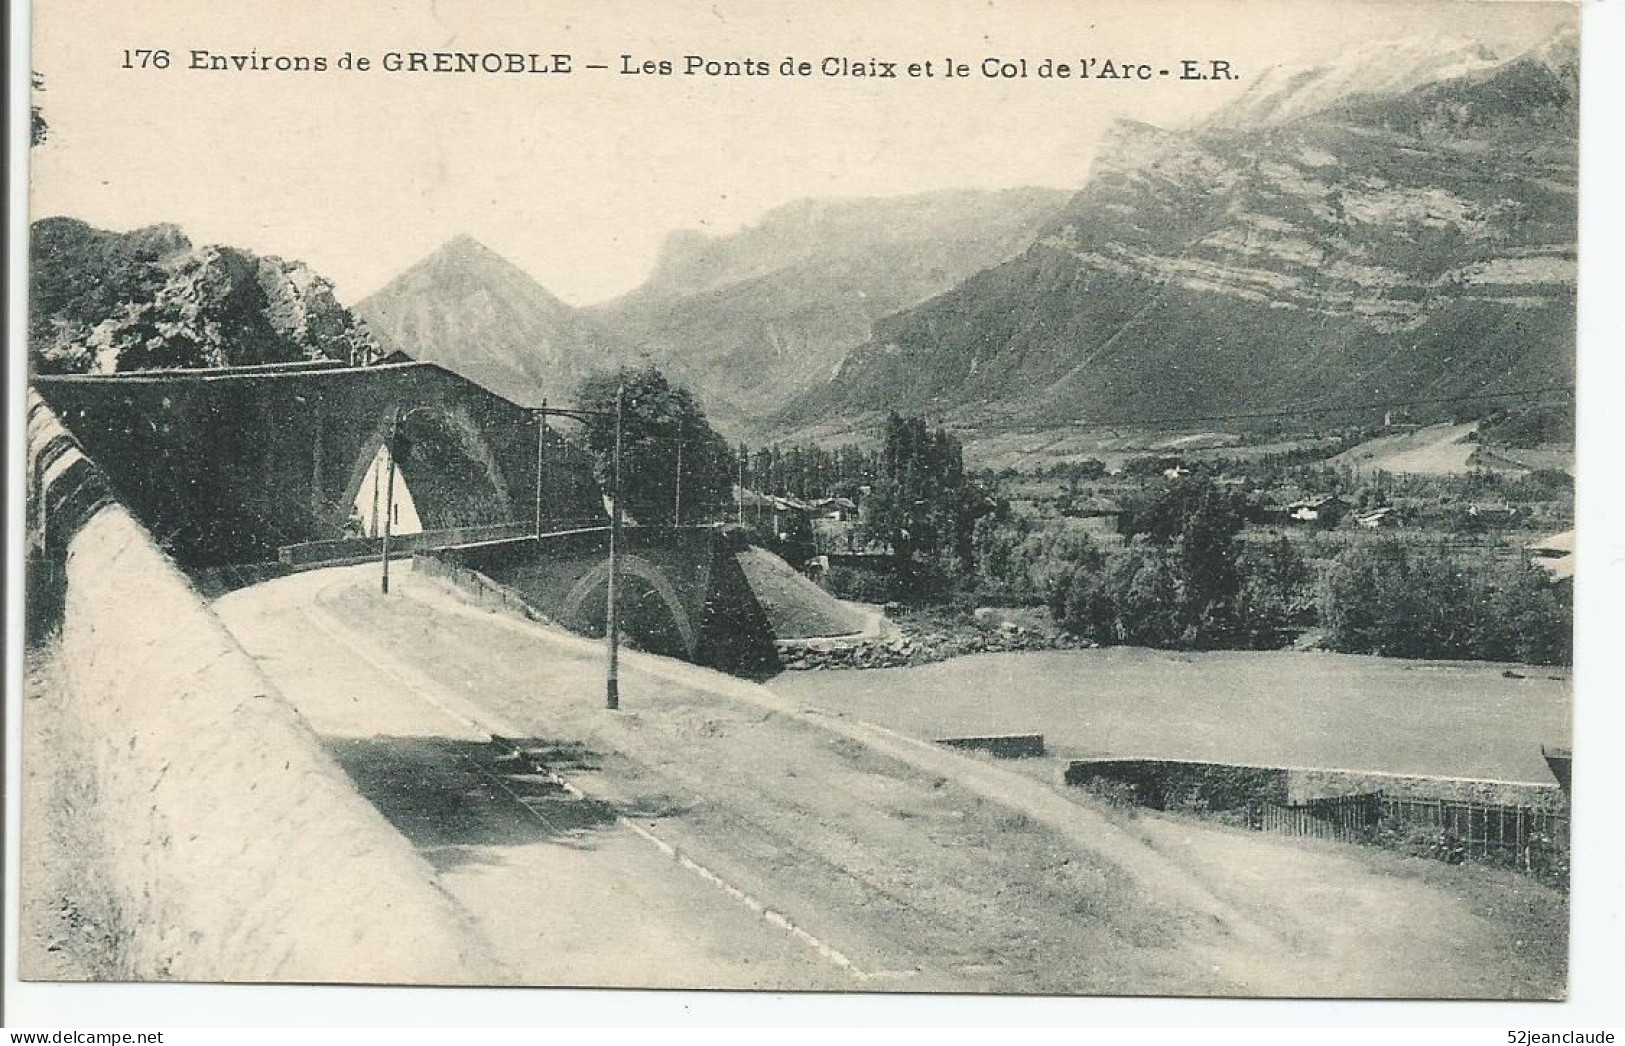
{"x":835,"y":509}
{"x":1377,"y":518}
{"x":1325,"y":509}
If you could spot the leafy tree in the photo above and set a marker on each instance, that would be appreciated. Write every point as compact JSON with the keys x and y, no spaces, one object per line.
{"x":1276,"y":595}
{"x":1136,"y":599}
{"x":1163,"y":512}
{"x":923,"y":504}
{"x":655,"y":415}
{"x":1208,"y":563}
{"x":1402,"y":602}
{"x":1019,"y":560}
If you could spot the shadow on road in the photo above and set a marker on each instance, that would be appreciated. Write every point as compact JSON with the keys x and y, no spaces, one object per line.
{"x":451,"y":797}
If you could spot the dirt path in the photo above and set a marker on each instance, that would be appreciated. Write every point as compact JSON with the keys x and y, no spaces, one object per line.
{"x":740,"y":840}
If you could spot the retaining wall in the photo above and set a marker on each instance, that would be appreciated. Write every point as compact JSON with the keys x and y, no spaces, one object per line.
{"x":1168,"y":782}
{"x":233,"y":848}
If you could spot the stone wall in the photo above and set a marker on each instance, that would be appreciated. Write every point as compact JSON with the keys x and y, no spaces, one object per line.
{"x":233,"y":848}
{"x":1163,"y":783}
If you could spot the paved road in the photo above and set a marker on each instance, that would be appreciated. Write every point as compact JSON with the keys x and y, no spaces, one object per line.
{"x":713,"y":834}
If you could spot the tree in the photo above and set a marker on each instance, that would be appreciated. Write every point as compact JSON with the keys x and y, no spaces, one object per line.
{"x":1276,"y":595}
{"x":1401,"y":602}
{"x":922,"y":503}
{"x":1136,"y":598}
{"x":1208,"y":564}
{"x":657,"y":418}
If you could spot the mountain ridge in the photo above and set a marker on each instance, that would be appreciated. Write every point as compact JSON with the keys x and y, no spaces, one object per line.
{"x":1421,"y":241}
{"x":783,"y":300}
{"x":469,"y":309}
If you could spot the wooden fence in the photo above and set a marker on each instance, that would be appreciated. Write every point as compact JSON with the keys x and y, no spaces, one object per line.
{"x":1344,"y":818}
{"x":1453,"y":830}
{"x":1522,"y":835}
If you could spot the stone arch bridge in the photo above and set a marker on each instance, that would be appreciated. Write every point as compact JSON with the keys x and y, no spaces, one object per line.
{"x":233,"y":467}
{"x":227,"y":466}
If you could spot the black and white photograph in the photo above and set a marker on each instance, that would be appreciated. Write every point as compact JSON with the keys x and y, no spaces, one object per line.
{"x":1030,"y":499}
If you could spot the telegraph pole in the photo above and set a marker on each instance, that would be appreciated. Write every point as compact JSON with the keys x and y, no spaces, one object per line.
{"x":677,"y":506}
{"x":389,"y":497}
{"x":541,"y":456}
{"x":612,"y":629}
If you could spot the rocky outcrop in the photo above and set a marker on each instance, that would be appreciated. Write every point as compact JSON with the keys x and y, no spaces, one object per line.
{"x":105,"y":302}
{"x":1334,"y":248}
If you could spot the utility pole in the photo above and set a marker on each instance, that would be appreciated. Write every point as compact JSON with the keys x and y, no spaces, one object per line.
{"x":389,"y":497}
{"x":541,"y":456}
{"x":612,"y":629}
{"x":372,"y":531}
{"x":677,"y":505}
{"x":742,"y":487}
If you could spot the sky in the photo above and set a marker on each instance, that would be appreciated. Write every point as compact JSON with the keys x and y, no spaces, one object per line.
{"x":578,"y":179}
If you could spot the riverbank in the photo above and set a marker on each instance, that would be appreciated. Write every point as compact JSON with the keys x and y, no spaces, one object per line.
{"x":1274,"y":708}
{"x":925,"y":636}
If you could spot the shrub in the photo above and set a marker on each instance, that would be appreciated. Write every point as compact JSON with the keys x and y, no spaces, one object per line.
{"x":863,"y":586}
{"x":1390,"y":599}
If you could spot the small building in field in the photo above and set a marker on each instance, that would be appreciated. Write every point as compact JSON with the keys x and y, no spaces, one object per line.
{"x":838,"y":509}
{"x":1555,"y":554}
{"x":1322,"y":508}
{"x":1494,"y":513}
{"x":1382,"y":518}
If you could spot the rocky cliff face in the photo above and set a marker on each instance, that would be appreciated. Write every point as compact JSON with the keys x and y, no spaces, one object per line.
{"x":472,"y":311}
{"x":751,"y":319}
{"x":1314,"y":247}
{"x":1284,"y":93}
{"x":104,"y":302}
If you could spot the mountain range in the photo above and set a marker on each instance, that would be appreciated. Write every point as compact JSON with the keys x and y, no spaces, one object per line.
{"x":1397,"y":225}
{"x":751,"y":319}
{"x":781,"y":302}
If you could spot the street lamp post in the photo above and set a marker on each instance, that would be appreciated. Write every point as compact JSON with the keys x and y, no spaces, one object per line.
{"x":389,"y":496}
{"x":612,"y":630}
{"x":612,"y":638}
{"x":541,"y":456}
{"x":677,"y":503}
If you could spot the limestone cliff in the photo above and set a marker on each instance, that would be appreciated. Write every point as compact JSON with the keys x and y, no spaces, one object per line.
{"x":1292,"y":254}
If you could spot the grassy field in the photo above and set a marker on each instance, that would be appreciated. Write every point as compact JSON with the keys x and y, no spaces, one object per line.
{"x":1436,"y":450}
{"x":1275,"y":708}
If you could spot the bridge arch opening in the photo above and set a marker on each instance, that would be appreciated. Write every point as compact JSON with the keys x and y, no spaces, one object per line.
{"x":447,"y":466}
{"x":652,"y":615}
